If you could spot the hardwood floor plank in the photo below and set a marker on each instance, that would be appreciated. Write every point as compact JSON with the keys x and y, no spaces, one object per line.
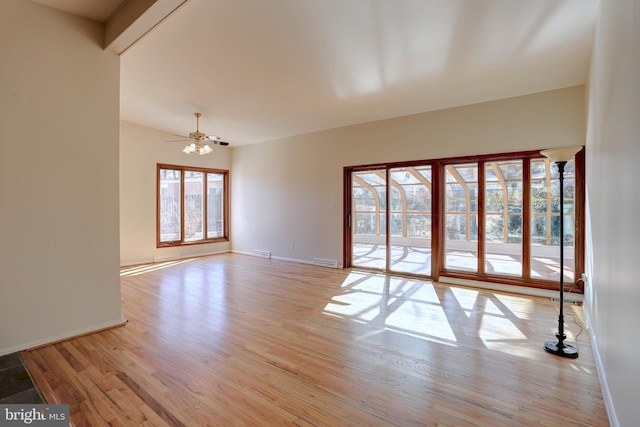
{"x":233,"y":340}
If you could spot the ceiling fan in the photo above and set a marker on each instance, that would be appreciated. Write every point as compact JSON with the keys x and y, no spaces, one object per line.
{"x":199,"y":140}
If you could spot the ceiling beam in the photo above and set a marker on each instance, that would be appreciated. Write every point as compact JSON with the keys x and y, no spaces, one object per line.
{"x":134,"y":19}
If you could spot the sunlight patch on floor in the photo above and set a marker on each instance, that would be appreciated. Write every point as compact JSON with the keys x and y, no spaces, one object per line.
{"x":148,"y":268}
{"x":417,"y":308}
{"x":401,"y":305}
{"x":422,"y":319}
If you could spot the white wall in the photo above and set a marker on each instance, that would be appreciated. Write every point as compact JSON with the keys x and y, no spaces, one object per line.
{"x":289,"y":192}
{"x":141,"y":149}
{"x":612,"y":297}
{"x":58,"y":177}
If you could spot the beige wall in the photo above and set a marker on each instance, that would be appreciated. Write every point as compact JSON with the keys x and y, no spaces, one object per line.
{"x":58,"y":177}
{"x":288,"y":193}
{"x":612,"y":300}
{"x":141,"y":149}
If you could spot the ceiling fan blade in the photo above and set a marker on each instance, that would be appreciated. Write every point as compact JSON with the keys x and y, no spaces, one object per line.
{"x":182,"y":138}
{"x":199,"y":138}
{"x":218,"y":142}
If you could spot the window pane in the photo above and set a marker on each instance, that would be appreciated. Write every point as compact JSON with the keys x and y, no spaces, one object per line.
{"x":503,"y":218}
{"x":369,"y":199}
{"x":418,"y":198}
{"x":397,"y":200}
{"x":169,"y":205}
{"x":545,"y":220}
{"x":193,"y":206}
{"x":215,"y":205}
{"x":456,"y":198}
{"x":461,"y":217}
{"x":365,"y":223}
{"x":493,"y":197}
{"x":419,"y":225}
{"x":411,"y":220}
{"x":363,"y":199}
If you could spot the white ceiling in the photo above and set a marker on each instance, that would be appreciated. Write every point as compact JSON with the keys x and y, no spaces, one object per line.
{"x":260,"y":70}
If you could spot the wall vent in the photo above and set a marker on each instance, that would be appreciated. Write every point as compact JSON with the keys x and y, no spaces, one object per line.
{"x":322,"y":262}
{"x":261,"y":253}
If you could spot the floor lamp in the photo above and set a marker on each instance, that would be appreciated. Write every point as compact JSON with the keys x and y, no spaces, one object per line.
{"x":560,"y":156}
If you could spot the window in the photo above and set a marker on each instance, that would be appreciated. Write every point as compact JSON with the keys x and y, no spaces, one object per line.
{"x":461,"y":217}
{"x":503,"y":236}
{"x":545,"y":220}
{"x":488,"y":217}
{"x":192,"y":205}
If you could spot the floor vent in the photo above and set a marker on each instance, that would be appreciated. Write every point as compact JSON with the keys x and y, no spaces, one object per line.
{"x":331,"y":263}
{"x":261,"y":253}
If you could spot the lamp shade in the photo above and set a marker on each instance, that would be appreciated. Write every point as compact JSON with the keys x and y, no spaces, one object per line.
{"x":562,"y":154}
{"x":205,"y":149}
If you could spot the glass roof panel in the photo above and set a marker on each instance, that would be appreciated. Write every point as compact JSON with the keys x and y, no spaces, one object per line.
{"x":468,"y":172}
{"x":449,"y":178}
{"x":511,"y":171}
{"x":425,"y":171}
{"x":371,"y":178}
{"x":489,"y":173}
{"x":403,"y":176}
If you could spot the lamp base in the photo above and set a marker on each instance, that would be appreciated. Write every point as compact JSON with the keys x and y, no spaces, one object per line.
{"x":561,"y":349}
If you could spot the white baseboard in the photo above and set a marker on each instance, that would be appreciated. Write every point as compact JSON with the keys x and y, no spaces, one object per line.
{"x":173,"y":257}
{"x":140,"y":262}
{"x":280,"y":258}
{"x":602,"y":376}
{"x":63,"y":336}
{"x":298,"y":261}
{"x":242,"y":252}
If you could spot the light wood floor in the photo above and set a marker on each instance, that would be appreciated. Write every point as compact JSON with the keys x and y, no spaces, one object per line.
{"x":233,"y":340}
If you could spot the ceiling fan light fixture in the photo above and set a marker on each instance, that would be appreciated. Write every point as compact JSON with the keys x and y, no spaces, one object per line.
{"x":190,"y":148}
{"x":199,"y":143}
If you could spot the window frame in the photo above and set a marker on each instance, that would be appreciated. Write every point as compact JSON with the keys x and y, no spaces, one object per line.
{"x":225,"y":208}
{"x":439,"y":209}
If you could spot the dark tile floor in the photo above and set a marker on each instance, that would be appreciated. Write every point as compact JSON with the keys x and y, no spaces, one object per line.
{"x":15,"y":383}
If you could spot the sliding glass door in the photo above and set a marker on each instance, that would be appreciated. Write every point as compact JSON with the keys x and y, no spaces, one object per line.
{"x":503,"y":224}
{"x":406,"y":248}
{"x":461,"y":217}
{"x":410,"y":221}
{"x":490,"y":217}
{"x":369,"y":219}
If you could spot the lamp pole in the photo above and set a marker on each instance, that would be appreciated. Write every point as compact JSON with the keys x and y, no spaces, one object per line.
{"x":560,"y":348}
{"x":560,"y":156}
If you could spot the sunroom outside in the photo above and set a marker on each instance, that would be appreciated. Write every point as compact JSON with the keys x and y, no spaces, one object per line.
{"x":493,"y":214}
